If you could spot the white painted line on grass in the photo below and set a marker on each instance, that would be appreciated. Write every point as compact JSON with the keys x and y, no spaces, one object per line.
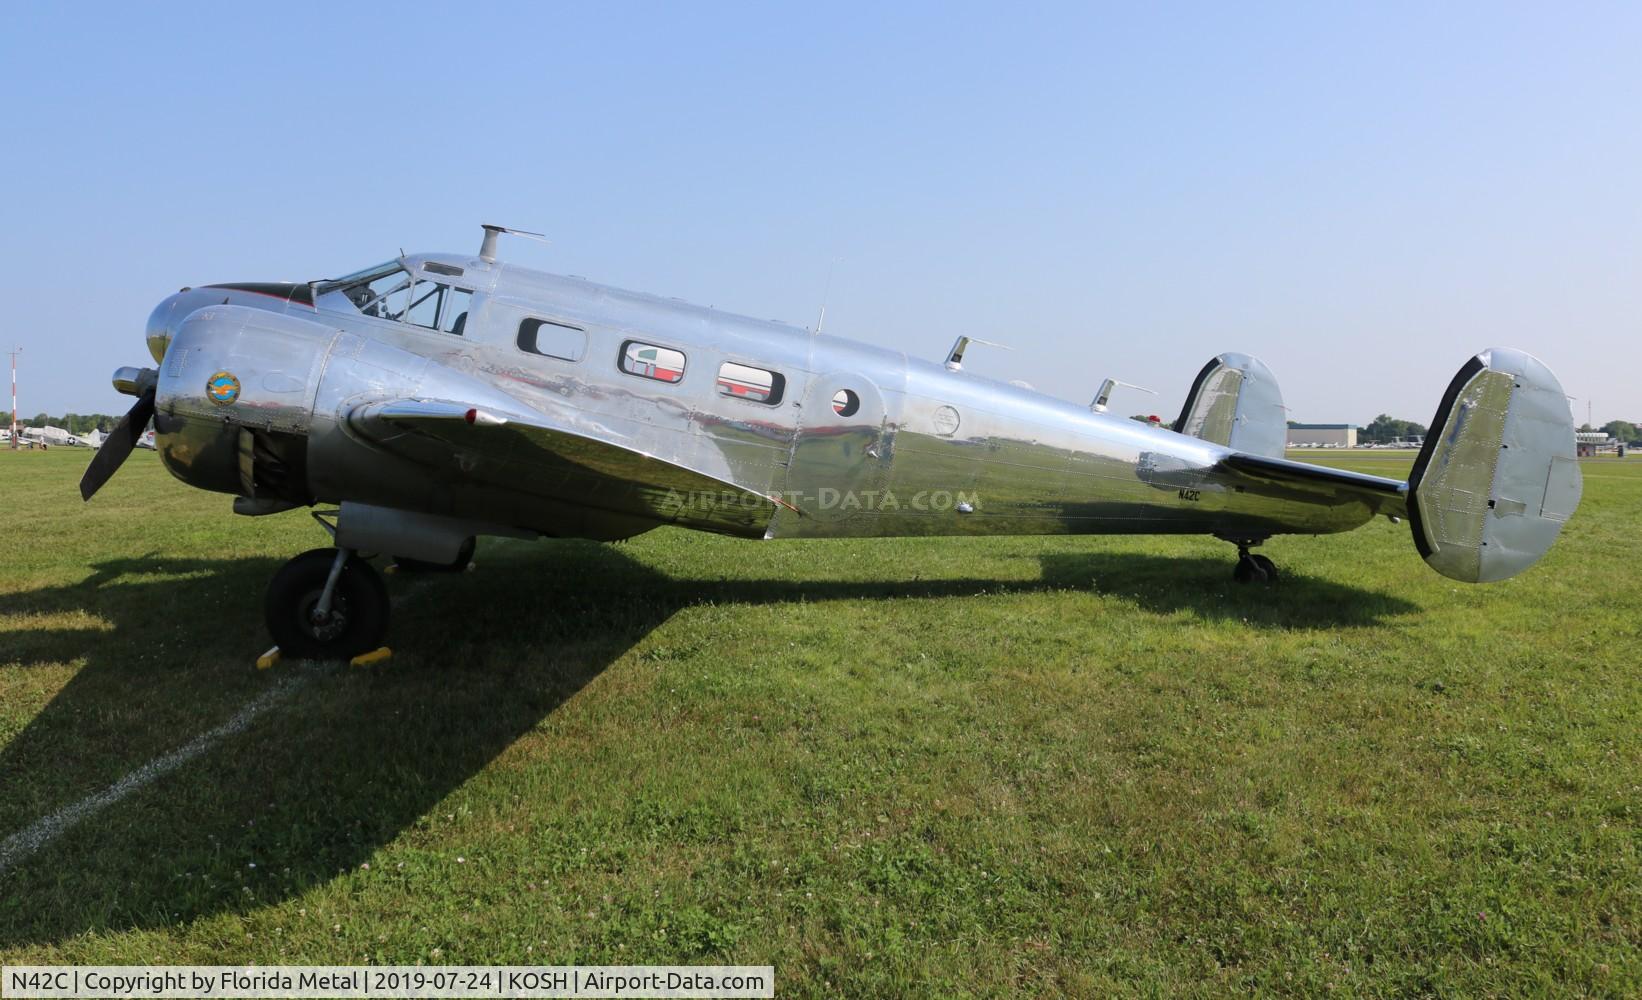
{"x":25,"y":842}
{"x":42,"y":832}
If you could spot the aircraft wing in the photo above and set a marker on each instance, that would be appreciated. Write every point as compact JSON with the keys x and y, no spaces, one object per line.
{"x":532,"y":455}
{"x":1319,"y":483}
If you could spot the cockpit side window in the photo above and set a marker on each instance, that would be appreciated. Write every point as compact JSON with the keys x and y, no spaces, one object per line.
{"x":455,"y":317}
{"x":425,"y":299}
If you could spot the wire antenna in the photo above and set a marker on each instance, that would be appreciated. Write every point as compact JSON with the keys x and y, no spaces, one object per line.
{"x":826,"y":291}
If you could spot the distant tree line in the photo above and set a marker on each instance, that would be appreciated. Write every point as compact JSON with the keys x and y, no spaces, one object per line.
{"x":1619,"y":430}
{"x":74,"y":423}
{"x":1385,"y":429}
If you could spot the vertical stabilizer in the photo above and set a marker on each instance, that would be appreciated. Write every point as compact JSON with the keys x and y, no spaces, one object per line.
{"x":1235,"y":402}
{"x":1497,"y":477}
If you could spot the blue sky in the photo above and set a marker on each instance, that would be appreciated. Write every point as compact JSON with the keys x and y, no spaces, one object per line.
{"x":1361,"y":196}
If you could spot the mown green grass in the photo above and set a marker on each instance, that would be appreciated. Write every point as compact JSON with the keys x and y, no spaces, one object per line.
{"x":912,"y":767}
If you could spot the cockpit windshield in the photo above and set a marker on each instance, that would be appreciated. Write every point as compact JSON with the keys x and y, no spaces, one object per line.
{"x":389,"y":292}
{"x":386,"y":297}
{"x":365,"y":275}
{"x":382,"y":291}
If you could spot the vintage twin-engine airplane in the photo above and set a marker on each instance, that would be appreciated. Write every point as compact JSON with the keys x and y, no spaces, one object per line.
{"x":439,"y":397}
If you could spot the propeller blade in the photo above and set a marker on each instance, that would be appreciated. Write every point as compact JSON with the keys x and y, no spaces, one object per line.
{"x":117,"y":446}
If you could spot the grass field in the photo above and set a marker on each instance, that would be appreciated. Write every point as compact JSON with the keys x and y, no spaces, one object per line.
{"x":1012,"y":766}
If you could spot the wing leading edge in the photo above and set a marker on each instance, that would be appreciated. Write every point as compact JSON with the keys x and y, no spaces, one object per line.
{"x":531,"y":455}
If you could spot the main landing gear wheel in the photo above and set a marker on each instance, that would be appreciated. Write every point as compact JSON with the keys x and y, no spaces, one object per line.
{"x":306,"y":626}
{"x":1253,"y":568}
{"x":464,"y":556}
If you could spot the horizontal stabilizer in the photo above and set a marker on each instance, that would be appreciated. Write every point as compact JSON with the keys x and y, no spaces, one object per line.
{"x":1321,"y":483}
{"x":1498,"y":475}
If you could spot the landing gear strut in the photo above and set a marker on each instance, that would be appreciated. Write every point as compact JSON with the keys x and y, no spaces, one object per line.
{"x":1252,"y":567}
{"x":326,"y":604}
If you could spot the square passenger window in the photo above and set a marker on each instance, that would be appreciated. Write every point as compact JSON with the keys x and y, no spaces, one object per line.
{"x":649,"y":361}
{"x":553,"y":340}
{"x":747,"y":382}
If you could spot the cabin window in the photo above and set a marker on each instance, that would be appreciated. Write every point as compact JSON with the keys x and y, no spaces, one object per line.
{"x":649,"y":361}
{"x":747,"y":382}
{"x":845,"y":403}
{"x":455,"y":317}
{"x":553,"y":340}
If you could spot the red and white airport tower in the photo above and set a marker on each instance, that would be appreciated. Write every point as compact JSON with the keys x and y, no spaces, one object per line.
{"x":14,"y":352}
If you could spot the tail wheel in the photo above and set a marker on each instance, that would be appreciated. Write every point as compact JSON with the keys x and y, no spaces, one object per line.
{"x":357,"y":619}
{"x":1253,"y":568}
{"x":1266,"y":565}
{"x":463,"y":557}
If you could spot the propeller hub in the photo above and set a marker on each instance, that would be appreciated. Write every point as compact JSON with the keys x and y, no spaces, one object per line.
{"x":132,"y":381}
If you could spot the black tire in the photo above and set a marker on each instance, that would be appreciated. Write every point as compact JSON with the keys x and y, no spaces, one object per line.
{"x":359,"y":608}
{"x":1267,"y":565}
{"x":1250,"y":571}
{"x":463,"y":557}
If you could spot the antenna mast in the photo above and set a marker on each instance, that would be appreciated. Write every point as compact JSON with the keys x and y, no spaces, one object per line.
{"x":487,"y":248}
{"x":14,"y":352}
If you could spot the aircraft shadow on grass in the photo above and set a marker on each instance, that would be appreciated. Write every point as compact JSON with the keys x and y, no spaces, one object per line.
{"x":313,"y":786}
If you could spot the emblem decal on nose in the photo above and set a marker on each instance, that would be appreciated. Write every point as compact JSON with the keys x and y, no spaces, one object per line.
{"x":222,"y":387}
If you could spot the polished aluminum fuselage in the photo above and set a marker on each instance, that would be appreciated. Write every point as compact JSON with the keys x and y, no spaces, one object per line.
{"x":926,"y":450}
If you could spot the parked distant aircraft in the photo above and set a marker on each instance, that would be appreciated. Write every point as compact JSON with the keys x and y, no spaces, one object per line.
{"x":58,"y":437}
{"x":438,"y":397}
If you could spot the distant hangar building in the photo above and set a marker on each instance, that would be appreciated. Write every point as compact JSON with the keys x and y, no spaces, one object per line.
{"x":1588,"y":444}
{"x":1323,"y":435}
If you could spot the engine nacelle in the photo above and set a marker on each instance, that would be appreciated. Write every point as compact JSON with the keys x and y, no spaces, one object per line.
{"x":235,"y":401}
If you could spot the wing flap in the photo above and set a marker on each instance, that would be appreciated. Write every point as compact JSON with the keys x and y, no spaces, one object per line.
{"x":529,"y":453}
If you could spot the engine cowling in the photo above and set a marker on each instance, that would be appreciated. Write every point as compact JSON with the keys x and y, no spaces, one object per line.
{"x":235,"y":400}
